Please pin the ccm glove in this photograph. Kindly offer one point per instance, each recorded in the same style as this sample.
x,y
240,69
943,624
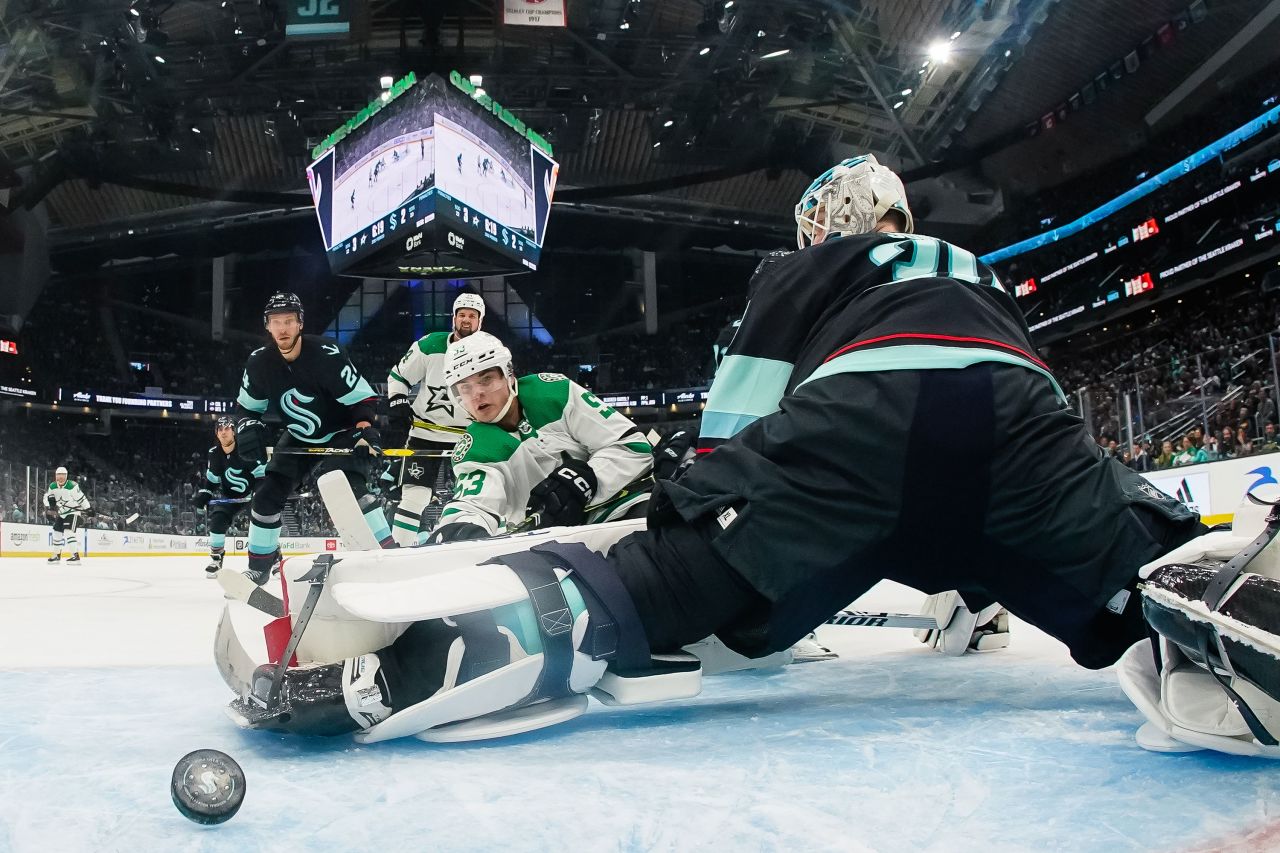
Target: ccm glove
x,y
563,496
251,440
671,454
368,447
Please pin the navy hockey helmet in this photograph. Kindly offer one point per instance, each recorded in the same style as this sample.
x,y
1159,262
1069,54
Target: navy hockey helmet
x,y
282,303
225,422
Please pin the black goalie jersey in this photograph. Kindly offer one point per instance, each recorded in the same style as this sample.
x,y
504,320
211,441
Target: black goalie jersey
x,y
312,395
872,302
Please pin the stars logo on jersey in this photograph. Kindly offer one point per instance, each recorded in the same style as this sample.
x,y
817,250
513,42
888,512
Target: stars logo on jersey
x,y
330,349
460,449
551,377
438,400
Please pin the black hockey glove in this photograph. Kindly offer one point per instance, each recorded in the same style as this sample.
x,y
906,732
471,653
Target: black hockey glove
x,y
563,496
368,448
202,498
251,440
456,532
399,420
672,455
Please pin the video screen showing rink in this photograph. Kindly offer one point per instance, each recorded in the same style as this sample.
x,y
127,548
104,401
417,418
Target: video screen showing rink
x,y
400,172
475,175
111,680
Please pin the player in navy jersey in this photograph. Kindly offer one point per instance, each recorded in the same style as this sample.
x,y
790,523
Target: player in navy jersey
x,y
308,384
228,476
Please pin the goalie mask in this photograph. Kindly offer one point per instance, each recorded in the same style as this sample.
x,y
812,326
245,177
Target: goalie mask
x,y
850,198
475,354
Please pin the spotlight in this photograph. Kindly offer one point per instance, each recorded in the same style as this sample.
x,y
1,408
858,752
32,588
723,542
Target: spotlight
x,y
939,51
668,122
475,79
898,104
704,51
386,81
905,92
776,53
955,35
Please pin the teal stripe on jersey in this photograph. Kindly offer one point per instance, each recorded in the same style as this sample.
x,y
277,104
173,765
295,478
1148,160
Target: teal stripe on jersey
x,y
251,403
745,388
212,477
362,391
724,424
923,357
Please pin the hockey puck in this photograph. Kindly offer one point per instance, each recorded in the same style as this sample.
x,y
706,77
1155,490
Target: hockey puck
x,y
207,786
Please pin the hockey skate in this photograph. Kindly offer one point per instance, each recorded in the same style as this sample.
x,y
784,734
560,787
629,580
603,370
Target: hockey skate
x,y
215,563
56,558
74,558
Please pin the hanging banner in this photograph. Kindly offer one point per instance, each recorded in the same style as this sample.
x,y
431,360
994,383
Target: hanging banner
x,y
534,13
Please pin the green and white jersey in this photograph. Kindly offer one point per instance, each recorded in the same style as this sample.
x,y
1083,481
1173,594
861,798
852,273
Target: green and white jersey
x,y
66,499
496,469
423,366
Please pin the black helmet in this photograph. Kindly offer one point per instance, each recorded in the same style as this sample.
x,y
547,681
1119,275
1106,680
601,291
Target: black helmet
x,y
225,422
282,303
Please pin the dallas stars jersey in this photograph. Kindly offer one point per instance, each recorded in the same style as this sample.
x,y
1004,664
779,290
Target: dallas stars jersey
x,y
229,473
66,499
423,366
496,469
311,395
871,302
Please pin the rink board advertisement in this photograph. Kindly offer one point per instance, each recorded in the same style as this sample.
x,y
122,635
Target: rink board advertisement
x,y
36,540
1215,489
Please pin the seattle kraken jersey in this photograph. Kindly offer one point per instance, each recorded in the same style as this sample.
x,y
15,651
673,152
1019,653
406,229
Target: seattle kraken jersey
x,y
311,395
871,302
229,473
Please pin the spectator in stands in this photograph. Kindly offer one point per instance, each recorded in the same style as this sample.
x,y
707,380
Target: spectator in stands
x,y
1190,454
1140,460
1243,444
1269,444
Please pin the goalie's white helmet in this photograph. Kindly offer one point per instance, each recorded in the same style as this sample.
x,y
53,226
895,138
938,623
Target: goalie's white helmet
x,y
469,300
850,198
475,354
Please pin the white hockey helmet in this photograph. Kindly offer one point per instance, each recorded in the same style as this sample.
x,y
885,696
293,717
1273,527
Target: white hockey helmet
x,y
476,354
470,300
60,470
850,198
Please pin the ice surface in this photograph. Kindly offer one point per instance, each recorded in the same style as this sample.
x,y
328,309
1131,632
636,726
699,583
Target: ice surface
x,y
108,679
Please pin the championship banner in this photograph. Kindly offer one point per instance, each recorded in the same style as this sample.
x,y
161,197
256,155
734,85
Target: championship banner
x,y
534,13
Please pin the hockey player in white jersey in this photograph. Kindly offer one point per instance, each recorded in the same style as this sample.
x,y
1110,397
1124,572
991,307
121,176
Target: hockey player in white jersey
x,y
429,421
65,503
543,451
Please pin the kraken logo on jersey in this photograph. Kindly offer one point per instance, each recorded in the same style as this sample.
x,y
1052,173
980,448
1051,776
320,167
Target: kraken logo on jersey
x,y
237,482
305,422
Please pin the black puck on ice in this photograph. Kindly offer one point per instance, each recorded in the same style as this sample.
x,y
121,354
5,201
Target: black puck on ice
x,y
207,786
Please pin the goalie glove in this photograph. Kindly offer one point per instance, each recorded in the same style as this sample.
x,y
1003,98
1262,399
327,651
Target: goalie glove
x,y
960,629
562,498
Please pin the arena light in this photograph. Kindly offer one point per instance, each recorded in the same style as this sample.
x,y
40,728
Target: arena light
x,y
898,104
476,79
776,53
704,51
939,51
906,92
668,122
386,81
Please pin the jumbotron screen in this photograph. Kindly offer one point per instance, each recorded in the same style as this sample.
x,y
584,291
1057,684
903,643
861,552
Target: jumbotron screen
x,y
432,182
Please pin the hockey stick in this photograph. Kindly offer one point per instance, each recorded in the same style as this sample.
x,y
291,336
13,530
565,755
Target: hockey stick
x,y
393,452
880,619
227,501
438,427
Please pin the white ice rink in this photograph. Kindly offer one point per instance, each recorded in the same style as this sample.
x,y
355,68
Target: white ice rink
x,y
504,194
108,679
361,198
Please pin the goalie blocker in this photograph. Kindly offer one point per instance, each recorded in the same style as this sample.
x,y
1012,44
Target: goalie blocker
x,y
1210,676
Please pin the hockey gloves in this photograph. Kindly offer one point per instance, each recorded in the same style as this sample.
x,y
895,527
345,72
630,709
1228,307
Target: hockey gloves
x,y
563,496
368,448
456,532
251,440
399,420
202,498
671,454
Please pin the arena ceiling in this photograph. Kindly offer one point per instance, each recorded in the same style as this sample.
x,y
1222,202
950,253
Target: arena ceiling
x,y
140,114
